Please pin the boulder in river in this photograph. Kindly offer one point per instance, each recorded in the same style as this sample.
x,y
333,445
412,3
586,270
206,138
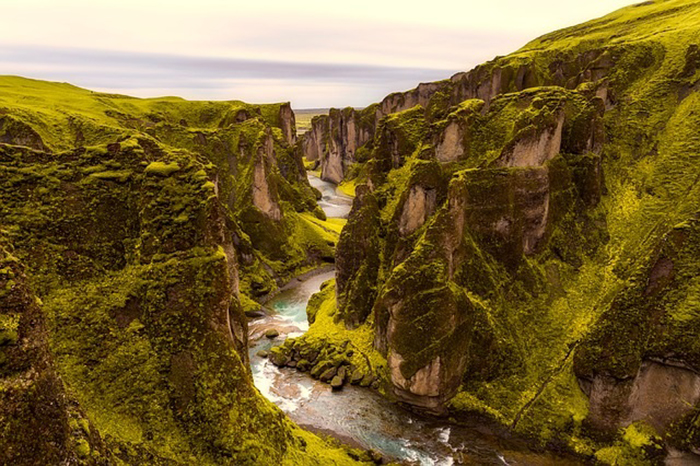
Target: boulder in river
x,y
337,382
328,374
272,333
254,313
321,368
343,372
356,377
278,356
263,353
367,380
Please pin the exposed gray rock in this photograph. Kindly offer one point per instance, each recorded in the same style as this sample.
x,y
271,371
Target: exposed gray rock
x,y
328,374
337,382
450,147
660,394
421,203
535,147
264,197
288,123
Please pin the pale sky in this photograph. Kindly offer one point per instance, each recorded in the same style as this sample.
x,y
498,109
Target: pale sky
x,y
313,53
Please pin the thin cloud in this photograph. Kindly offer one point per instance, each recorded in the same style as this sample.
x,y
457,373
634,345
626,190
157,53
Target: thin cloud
x,y
205,77
188,66
306,51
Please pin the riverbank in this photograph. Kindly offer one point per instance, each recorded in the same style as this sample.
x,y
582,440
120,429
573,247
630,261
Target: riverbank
x,y
296,281
358,416
362,417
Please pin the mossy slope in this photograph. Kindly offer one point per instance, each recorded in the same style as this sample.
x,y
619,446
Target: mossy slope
x,y
526,208
141,223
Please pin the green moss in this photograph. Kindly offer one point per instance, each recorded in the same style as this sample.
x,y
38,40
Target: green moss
x,y
640,435
129,241
358,260
162,168
119,175
326,333
82,449
348,187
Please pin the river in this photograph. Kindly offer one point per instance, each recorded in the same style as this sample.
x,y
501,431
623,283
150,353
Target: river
x,y
360,416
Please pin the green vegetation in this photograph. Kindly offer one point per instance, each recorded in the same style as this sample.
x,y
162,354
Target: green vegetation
x,y
137,222
523,246
329,348
348,188
537,235
304,117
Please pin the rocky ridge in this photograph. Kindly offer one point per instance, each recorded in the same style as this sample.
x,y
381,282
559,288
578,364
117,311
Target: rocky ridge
x,y
146,228
535,219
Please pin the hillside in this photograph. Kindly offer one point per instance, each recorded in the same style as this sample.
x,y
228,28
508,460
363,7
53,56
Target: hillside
x,y
524,243
523,252
135,234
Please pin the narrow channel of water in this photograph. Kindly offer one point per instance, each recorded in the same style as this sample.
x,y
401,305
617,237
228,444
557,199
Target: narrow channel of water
x,y
357,415
334,203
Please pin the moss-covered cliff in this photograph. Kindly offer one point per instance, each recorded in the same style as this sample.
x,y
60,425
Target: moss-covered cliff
x,y
537,237
144,228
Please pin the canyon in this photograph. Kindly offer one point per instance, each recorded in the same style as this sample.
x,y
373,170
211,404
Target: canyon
x,y
520,252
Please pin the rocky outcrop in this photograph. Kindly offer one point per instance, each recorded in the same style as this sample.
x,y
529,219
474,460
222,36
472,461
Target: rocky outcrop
x,y
419,206
400,101
288,123
14,131
509,210
426,191
450,146
484,83
493,216
660,394
536,147
424,325
265,196
333,140
357,260
142,245
560,122
504,213
41,424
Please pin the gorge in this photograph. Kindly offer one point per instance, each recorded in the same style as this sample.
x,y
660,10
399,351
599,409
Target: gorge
x,y
498,268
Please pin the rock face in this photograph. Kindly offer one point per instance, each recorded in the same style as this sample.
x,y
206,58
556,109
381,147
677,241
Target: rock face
x,y
401,101
484,83
660,395
450,146
540,145
265,196
288,123
40,423
14,131
357,264
142,238
419,206
538,237
334,139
